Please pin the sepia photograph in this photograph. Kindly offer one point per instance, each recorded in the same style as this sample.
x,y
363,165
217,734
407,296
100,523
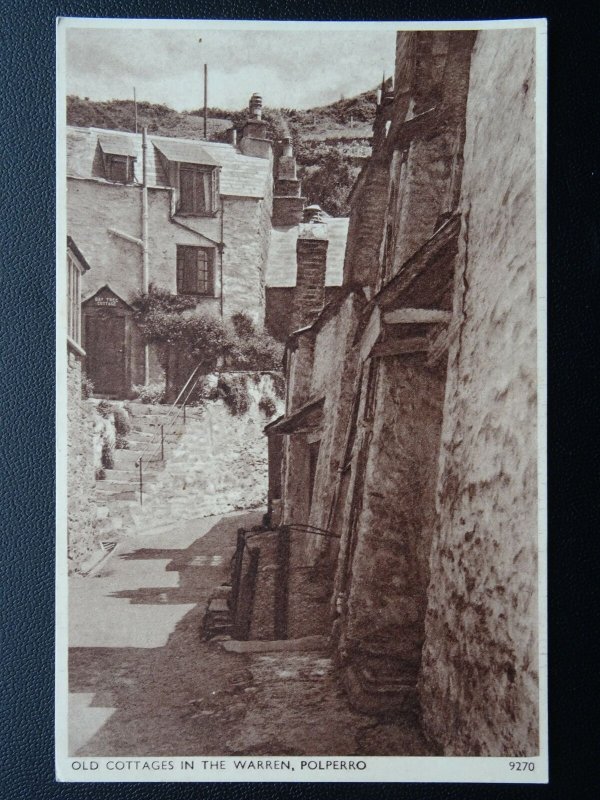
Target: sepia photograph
x,y
301,401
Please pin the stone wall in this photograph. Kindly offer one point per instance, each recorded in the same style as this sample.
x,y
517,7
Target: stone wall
x,y
81,510
479,684
313,557
219,463
394,510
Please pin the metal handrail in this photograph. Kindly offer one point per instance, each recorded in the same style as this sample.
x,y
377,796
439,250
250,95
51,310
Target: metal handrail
x,y
171,422
298,526
174,406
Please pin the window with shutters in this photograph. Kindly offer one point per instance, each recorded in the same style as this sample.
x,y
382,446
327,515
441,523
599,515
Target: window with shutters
x,y
195,270
197,190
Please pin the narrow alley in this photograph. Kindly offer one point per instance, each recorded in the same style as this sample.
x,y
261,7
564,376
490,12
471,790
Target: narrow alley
x,y
143,682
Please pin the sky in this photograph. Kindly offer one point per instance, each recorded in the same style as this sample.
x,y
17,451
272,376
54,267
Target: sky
x,y
289,68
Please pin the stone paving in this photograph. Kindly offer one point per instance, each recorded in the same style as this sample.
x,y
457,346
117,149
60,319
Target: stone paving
x,y
143,683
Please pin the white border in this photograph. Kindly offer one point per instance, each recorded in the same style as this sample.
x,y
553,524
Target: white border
x,y
377,769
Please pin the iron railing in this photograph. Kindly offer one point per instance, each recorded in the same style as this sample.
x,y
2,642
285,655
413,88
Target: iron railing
x,y
156,444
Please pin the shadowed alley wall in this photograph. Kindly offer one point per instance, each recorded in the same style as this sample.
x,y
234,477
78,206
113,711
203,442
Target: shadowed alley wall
x,y
479,678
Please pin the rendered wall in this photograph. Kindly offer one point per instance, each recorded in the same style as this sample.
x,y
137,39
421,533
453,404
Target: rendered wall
x,y
94,207
479,680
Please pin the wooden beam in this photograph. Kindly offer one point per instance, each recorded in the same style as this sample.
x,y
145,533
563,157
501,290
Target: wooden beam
x,y
439,342
424,125
371,333
416,315
394,347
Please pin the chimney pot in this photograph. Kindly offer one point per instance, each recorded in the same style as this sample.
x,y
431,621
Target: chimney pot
x,y
314,213
287,146
255,106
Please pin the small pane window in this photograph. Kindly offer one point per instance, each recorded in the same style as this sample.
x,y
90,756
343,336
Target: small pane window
x,y
194,270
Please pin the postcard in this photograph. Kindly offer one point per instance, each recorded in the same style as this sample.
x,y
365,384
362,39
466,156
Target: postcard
x,y
301,401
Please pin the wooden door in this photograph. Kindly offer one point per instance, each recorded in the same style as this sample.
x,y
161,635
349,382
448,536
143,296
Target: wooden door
x,y
106,361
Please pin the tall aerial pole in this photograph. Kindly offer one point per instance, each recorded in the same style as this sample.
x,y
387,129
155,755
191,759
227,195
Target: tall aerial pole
x,y
205,98
135,109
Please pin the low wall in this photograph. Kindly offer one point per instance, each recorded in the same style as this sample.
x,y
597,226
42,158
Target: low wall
x,y
81,510
218,464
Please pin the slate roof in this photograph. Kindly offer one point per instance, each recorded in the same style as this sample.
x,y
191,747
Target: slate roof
x,y
240,175
281,266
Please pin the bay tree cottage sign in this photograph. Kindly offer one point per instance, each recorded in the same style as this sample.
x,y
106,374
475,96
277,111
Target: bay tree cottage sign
x,y
301,499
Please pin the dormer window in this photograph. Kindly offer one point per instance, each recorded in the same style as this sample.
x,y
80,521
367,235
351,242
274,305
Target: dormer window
x,y
193,173
118,157
197,189
119,169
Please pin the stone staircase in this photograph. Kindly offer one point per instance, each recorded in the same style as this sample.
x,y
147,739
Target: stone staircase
x,y
118,506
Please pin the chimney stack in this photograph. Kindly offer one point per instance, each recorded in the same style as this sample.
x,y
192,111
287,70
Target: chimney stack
x,y
254,140
287,200
311,264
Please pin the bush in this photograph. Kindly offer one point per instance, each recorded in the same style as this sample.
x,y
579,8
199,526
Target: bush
x,y
278,385
186,341
87,388
267,406
233,390
153,393
121,442
251,349
108,461
104,408
122,424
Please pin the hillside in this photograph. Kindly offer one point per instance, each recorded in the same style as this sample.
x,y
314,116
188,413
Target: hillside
x,y
330,141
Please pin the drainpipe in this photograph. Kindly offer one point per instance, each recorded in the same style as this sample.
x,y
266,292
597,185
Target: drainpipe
x,y
145,281
221,250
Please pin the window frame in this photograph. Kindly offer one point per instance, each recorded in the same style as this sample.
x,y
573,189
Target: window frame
x,y
208,206
183,251
74,273
115,158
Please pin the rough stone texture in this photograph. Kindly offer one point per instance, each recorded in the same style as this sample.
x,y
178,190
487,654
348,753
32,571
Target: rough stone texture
x,y
389,568
333,375
219,463
278,312
298,371
313,557
80,468
309,298
263,612
366,224
479,684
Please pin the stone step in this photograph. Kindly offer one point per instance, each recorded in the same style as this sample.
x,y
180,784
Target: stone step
x,y
129,456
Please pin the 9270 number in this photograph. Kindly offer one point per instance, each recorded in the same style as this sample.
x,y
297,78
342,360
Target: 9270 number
x,y
521,766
